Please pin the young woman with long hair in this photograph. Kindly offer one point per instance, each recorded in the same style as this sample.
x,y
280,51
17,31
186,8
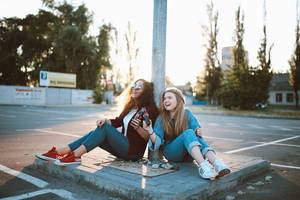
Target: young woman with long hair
x,y
130,144
178,133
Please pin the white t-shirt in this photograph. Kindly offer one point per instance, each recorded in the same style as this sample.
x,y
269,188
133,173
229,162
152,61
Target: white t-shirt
x,y
127,119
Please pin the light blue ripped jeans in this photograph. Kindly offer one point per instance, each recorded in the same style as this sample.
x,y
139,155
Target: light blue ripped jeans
x,y
177,150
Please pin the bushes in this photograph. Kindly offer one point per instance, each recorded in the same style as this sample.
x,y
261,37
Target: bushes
x,y
98,95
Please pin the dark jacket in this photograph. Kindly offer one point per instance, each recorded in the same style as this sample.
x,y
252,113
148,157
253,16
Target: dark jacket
x,y
137,144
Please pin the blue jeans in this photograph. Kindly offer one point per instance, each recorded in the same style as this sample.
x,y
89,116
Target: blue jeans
x,y
180,147
108,138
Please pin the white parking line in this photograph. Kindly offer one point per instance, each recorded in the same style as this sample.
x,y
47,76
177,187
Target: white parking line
x,y
7,116
218,138
88,123
260,145
213,124
60,133
281,128
255,126
287,145
61,193
233,125
35,181
285,166
49,131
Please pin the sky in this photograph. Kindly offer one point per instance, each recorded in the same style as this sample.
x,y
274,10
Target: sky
x,y
185,41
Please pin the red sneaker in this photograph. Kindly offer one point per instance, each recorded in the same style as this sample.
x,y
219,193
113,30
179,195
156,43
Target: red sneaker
x,y
50,155
69,159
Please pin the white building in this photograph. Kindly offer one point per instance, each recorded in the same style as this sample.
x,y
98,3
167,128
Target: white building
x,y
227,58
227,61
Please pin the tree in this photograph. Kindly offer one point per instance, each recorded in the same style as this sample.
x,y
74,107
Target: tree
x,y
263,74
11,37
200,87
237,90
55,40
103,52
132,51
72,50
213,71
294,63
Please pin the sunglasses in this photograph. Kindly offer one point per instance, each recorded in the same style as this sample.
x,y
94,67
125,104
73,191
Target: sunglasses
x,y
135,86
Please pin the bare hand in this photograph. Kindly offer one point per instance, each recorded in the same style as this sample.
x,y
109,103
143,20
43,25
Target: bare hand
x,y
198,132
135,123
147,127
100,122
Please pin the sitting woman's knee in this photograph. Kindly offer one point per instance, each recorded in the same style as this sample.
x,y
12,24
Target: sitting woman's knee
x,y
188,132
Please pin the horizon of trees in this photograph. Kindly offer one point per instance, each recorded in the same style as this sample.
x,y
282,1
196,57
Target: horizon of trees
x,y
241,86
56,39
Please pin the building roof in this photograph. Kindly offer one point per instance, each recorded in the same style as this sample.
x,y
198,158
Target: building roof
x,y
280,82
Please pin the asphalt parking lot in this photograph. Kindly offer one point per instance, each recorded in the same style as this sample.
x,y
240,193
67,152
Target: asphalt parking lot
x,y
26,130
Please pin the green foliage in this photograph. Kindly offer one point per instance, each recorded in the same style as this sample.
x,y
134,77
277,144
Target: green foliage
x,y
263,73
98,95
200,88
213,69
103,49
245,86
294,63
211,83
237,91
55,40
11,37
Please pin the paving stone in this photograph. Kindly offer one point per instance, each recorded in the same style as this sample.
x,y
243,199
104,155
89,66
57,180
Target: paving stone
x,y
132,182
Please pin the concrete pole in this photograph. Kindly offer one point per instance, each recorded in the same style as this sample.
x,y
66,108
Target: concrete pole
x,y
159,47
158,58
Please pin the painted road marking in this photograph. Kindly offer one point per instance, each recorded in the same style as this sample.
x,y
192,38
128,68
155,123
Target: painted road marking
x,y
281,128
61,193
49,131
35,181
285,166
60,133
287,145
218,138
213,124
88,123
233,125
7,116
260,145
255,126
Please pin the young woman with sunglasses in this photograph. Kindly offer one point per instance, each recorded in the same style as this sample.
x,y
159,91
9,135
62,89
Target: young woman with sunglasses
x,y
130,144
178,133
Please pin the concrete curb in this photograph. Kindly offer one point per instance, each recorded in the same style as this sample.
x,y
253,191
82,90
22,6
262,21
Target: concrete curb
x,y
182,184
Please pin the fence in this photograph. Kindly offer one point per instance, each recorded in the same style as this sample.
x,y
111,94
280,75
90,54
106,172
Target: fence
x,y
44,96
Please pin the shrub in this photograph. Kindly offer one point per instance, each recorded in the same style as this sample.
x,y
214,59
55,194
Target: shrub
x,y
98,95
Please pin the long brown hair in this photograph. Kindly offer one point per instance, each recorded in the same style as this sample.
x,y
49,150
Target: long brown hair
x,y
146,99
181,120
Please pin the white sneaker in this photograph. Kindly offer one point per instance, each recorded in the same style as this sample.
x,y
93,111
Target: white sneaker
x,y
205,171
221,168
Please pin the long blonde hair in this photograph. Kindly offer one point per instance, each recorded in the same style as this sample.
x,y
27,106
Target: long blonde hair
x,y
181,120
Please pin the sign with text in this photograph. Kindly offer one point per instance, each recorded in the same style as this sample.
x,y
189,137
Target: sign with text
x,y
28,93
56,79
